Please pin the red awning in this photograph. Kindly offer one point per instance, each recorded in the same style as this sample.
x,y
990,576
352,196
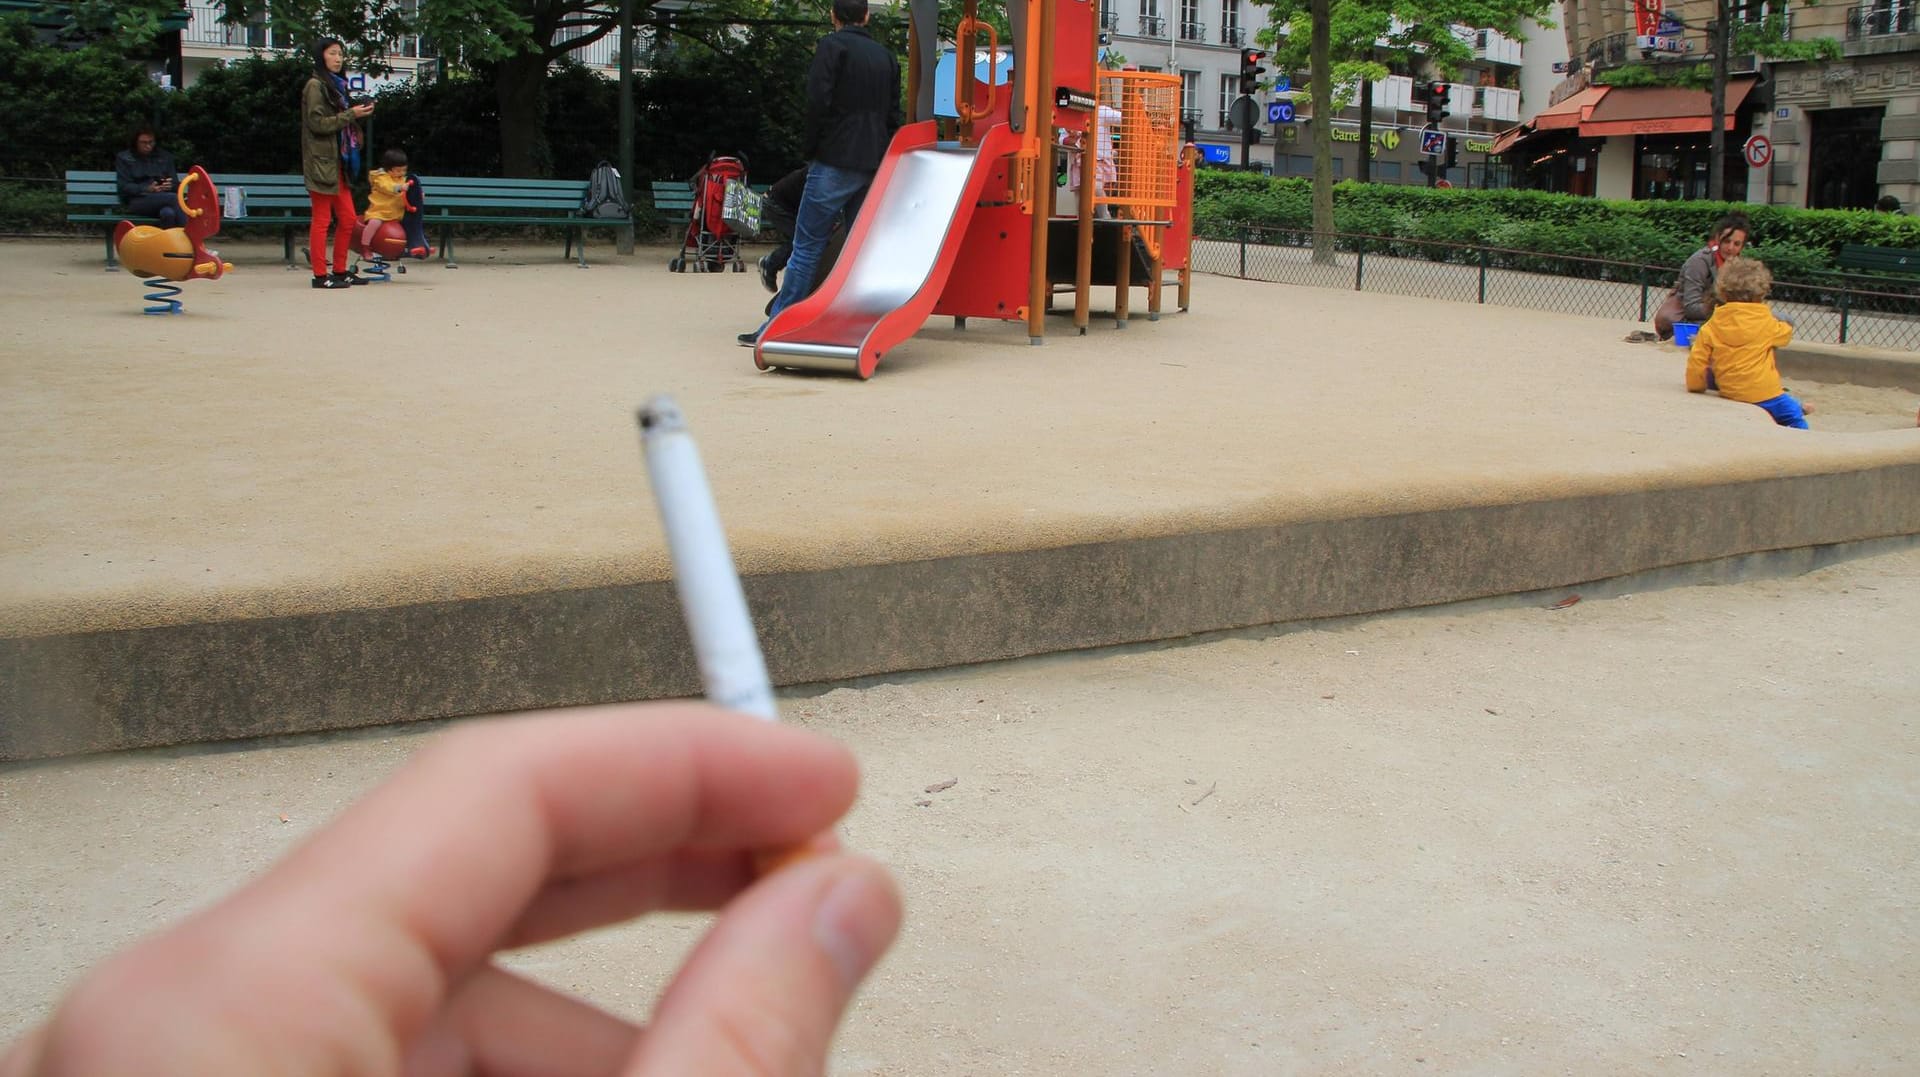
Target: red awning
x,y
1565,115
1660,110
1573,111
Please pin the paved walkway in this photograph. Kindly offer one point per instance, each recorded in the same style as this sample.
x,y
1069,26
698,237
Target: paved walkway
x,y
289,509
1671,833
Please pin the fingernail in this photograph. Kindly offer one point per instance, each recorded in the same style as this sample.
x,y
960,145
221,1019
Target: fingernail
x,y
851,927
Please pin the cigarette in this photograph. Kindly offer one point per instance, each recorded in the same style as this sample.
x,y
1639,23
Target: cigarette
x,y
732,669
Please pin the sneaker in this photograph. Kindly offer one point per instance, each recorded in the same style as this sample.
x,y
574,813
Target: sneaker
x,y
330,282
1641,336
748,340
420,252
768,279
350,278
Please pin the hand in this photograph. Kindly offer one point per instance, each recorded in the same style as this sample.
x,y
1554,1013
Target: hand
x,y
367,948
361,110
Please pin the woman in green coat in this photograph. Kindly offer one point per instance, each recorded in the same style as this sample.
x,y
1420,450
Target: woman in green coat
x,y
329,154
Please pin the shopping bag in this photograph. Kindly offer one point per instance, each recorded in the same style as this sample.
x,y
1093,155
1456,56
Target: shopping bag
x,y
740,207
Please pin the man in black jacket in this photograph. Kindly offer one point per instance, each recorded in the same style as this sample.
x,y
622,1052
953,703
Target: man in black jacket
x,y
144,174
853,108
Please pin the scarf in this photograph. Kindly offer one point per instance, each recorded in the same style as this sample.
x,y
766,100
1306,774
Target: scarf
x,y
350,134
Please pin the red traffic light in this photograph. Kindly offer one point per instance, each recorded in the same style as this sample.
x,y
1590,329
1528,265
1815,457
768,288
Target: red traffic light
x,y
1439,91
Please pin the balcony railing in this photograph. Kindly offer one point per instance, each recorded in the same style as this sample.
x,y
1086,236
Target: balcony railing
x,y
1232,35
1153,26
1879,20
1110,22
1192,116
1609,51
1193,31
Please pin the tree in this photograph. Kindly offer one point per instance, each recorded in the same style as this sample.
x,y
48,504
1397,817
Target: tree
x,y
1342,43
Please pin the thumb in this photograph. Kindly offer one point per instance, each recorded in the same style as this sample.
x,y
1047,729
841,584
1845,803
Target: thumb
x,y
764,991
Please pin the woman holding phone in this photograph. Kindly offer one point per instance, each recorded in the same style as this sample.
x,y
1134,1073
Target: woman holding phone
x,y
330,144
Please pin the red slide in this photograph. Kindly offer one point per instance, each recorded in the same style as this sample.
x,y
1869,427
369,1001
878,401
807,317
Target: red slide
x,y
897,259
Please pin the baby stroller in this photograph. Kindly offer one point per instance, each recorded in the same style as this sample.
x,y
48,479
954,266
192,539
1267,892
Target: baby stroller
x,y
711,243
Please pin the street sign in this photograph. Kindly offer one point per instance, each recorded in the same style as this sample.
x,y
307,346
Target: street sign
x,y
1758,150
1433,142
1243,113
1279,112
1282,84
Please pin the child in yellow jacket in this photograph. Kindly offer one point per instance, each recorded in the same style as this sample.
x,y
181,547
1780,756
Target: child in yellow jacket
x,y
1733,352
396,197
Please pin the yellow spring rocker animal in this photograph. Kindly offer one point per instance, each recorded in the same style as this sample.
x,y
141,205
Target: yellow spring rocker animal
x,y
164,255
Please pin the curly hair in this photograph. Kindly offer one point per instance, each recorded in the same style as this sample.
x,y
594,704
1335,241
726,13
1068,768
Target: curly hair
x,y
1743,280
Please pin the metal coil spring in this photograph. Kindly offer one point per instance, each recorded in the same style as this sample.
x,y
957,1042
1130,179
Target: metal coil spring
x,y
377,269
162,296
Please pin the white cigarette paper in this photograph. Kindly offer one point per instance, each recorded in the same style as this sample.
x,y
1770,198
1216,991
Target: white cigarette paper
x,y
732,669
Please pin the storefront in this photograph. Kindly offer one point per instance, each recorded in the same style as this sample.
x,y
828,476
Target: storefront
x,y
1394,155
1640,142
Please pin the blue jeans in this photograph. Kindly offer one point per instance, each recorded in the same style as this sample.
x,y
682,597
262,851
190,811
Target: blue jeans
x,y
830,190
1785,410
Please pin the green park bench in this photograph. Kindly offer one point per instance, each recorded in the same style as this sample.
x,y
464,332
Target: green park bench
x,y
1878,261
281,202
452,200
673,203
272,202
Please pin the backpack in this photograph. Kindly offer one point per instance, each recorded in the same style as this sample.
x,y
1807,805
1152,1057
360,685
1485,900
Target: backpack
x,y
606,197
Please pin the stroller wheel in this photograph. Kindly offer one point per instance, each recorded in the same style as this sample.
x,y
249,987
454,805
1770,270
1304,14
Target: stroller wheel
x,y
676,265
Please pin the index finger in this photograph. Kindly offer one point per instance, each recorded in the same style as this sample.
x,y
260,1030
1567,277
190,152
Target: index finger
x,y
367,923
455,846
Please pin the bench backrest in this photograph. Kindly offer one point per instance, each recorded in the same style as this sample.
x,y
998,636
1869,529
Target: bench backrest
x,y
274,192
1882,259
469,192
672,196
289,192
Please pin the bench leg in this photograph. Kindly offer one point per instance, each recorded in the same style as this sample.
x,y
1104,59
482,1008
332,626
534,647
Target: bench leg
x,y
286,242
113,257
446,247
580,235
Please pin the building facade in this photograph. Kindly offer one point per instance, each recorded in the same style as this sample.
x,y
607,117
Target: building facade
x,y
1201,41
1823,134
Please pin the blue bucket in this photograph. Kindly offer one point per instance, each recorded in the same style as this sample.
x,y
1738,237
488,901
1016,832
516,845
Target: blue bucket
x,y
1683,333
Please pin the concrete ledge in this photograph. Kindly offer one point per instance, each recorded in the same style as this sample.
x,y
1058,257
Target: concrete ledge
x,y
121,689
1851,364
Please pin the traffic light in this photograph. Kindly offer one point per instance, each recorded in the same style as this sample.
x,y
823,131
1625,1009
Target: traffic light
x,y
1435,94
1250,70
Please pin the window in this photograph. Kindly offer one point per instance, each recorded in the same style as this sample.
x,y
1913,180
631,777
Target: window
x,y
1385,171
1230,32
1229,89
1191,28
1300,164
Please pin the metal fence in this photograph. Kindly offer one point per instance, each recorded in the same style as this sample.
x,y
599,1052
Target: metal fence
x,y
1833,310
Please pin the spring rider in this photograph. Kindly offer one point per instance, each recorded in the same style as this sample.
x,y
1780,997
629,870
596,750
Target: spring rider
x,y
167,255
382,244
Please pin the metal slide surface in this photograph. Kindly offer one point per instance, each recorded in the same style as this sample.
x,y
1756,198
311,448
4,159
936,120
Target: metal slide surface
x,y
895,264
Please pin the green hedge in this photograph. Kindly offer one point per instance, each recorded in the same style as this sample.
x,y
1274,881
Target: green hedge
x,y
1795,243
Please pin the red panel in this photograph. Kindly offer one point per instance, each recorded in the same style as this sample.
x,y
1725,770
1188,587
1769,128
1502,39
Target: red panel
x,y
1179,243
989,278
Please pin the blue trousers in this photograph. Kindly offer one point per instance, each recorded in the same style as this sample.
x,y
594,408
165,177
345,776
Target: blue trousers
x,y
1785,410
829,192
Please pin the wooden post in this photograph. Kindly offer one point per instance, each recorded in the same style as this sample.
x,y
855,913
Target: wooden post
x,y
1040,136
